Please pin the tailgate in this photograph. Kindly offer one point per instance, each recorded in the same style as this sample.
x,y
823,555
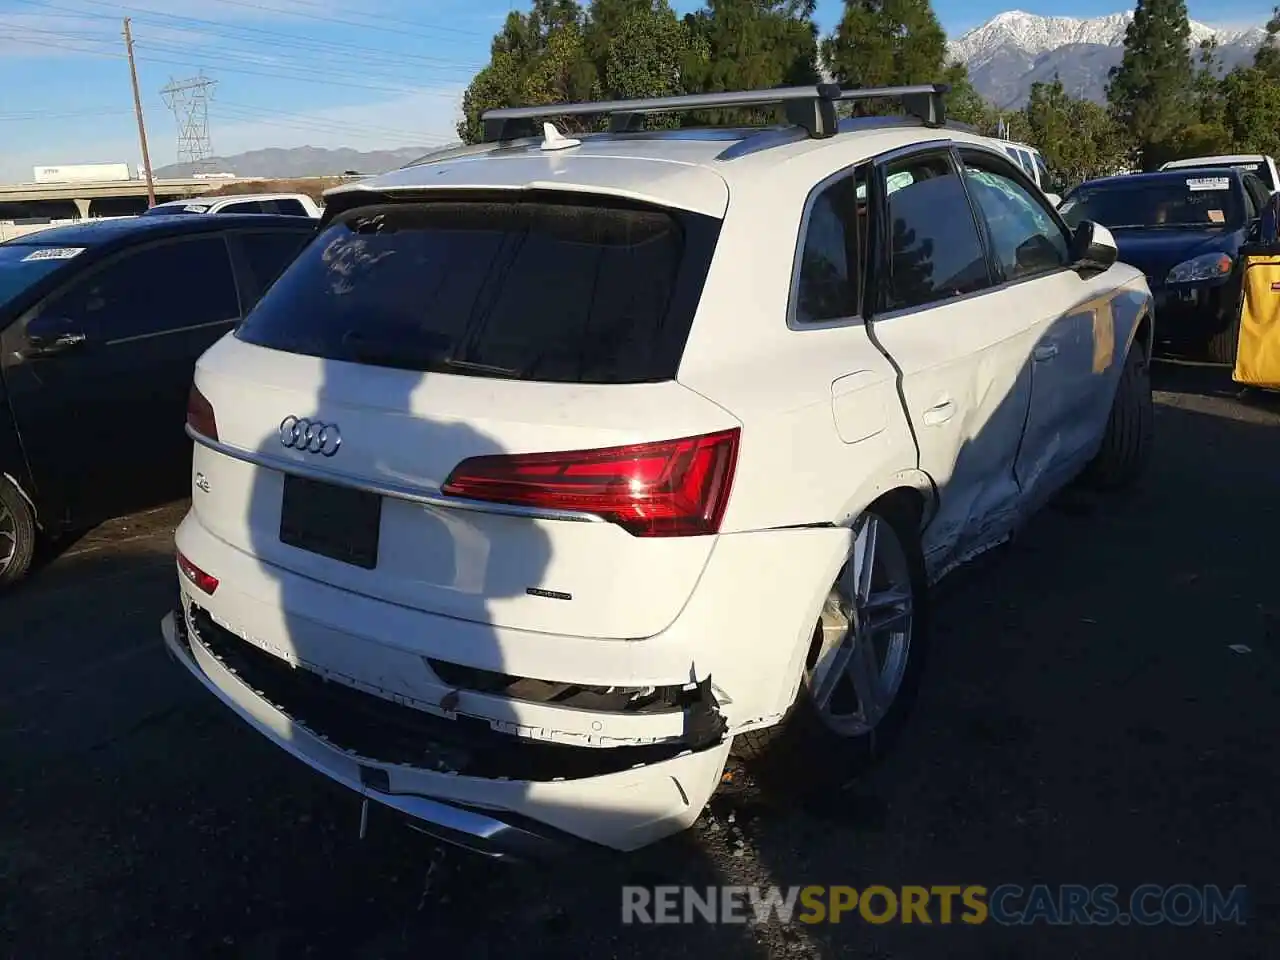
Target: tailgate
x,y
404,432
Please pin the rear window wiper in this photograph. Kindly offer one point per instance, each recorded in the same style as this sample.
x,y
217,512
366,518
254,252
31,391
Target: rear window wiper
x,y
448,363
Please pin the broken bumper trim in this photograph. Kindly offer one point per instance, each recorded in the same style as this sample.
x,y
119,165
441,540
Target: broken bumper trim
x,y
470,829
392,732
503,819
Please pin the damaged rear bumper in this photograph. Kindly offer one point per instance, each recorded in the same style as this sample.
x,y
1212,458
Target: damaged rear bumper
x,y
620,797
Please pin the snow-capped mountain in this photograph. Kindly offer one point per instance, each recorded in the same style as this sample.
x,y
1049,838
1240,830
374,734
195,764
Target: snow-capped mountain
x,y
1015,49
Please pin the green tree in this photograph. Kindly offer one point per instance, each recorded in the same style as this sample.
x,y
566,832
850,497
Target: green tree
x,y
1078,138
536,58
965,104
1151,92
1252,99
1206,132
750,45
650,53
1267,56
880,43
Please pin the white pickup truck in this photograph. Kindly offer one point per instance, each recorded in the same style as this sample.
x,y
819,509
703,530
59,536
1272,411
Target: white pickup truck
x,y
291,204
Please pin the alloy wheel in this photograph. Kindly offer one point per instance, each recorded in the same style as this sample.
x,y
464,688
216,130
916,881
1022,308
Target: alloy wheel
x,y
864,636
8,538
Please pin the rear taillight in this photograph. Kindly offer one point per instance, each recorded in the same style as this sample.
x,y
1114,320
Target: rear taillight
x,y
200,416
204,582
673,488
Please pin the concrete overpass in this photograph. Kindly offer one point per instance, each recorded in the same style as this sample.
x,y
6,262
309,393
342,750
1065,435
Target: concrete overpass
x,y
20,201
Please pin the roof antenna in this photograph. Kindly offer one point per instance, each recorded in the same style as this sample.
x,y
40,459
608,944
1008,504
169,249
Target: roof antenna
x,y
553,139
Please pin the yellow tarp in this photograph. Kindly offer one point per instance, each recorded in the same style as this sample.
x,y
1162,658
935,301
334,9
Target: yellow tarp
x,y
1258,352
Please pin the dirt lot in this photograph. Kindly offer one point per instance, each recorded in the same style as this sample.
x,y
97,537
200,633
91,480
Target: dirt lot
x,y
1084,720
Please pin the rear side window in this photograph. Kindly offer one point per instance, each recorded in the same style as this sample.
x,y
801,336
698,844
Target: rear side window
x,y
934,249
537,290
286,206
827,285
244,206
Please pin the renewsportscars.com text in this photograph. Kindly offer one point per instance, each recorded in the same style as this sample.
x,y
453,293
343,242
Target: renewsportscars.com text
x,y
972,904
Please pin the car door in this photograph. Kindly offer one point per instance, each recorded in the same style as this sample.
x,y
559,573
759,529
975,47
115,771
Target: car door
x,y
102,417
1075,346
962,352
827,295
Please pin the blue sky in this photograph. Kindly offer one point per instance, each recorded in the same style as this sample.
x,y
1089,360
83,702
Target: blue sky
x,y
369,75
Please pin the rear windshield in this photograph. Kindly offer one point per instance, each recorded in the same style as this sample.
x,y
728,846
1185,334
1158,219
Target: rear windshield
x,y
539,290
1204,199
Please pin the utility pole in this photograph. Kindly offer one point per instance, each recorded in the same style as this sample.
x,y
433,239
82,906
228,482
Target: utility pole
x,y
137,110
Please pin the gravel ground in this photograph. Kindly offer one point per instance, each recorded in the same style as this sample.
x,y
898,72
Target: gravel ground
x,y
1084,720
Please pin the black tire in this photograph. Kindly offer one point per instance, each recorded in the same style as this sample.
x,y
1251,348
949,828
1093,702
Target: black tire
x,y
16,522
1126,446
1221,347
801,755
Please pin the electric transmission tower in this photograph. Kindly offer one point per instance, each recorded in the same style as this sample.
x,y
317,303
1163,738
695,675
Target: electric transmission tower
x,y
189,101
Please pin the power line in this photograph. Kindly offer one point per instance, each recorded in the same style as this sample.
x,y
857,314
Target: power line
x,y
237,31
70,114
321,124
312,77
298,70
390,19
71,11
356,69
248,5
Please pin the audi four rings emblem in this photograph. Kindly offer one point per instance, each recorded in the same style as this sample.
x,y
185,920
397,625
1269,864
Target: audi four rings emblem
x,y
310,436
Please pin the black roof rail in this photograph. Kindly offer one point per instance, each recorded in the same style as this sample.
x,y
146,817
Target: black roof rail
x,y
812,108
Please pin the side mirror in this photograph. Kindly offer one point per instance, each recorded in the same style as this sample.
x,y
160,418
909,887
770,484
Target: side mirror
x,y
1054,199
1093,248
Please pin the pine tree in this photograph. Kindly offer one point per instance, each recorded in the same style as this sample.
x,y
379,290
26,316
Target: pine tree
x,y
1267,57
882,43
751,45
1151,92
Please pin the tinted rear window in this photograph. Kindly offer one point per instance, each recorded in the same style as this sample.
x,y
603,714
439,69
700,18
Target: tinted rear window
x,y
568,292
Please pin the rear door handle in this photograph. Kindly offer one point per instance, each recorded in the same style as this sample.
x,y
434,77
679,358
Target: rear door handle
x,y
940,412
1046,351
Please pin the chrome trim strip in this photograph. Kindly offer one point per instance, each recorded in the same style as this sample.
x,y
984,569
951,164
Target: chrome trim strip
x,y
386,488
170,332
465,828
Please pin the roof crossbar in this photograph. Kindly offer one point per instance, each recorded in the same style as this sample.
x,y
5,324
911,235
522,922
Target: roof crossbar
x,y
812,108
925,101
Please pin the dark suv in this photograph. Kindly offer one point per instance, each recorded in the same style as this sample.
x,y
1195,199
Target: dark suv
x,y
101,324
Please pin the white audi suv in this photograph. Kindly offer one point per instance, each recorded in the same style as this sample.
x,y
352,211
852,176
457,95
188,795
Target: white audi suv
x,y
558,468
